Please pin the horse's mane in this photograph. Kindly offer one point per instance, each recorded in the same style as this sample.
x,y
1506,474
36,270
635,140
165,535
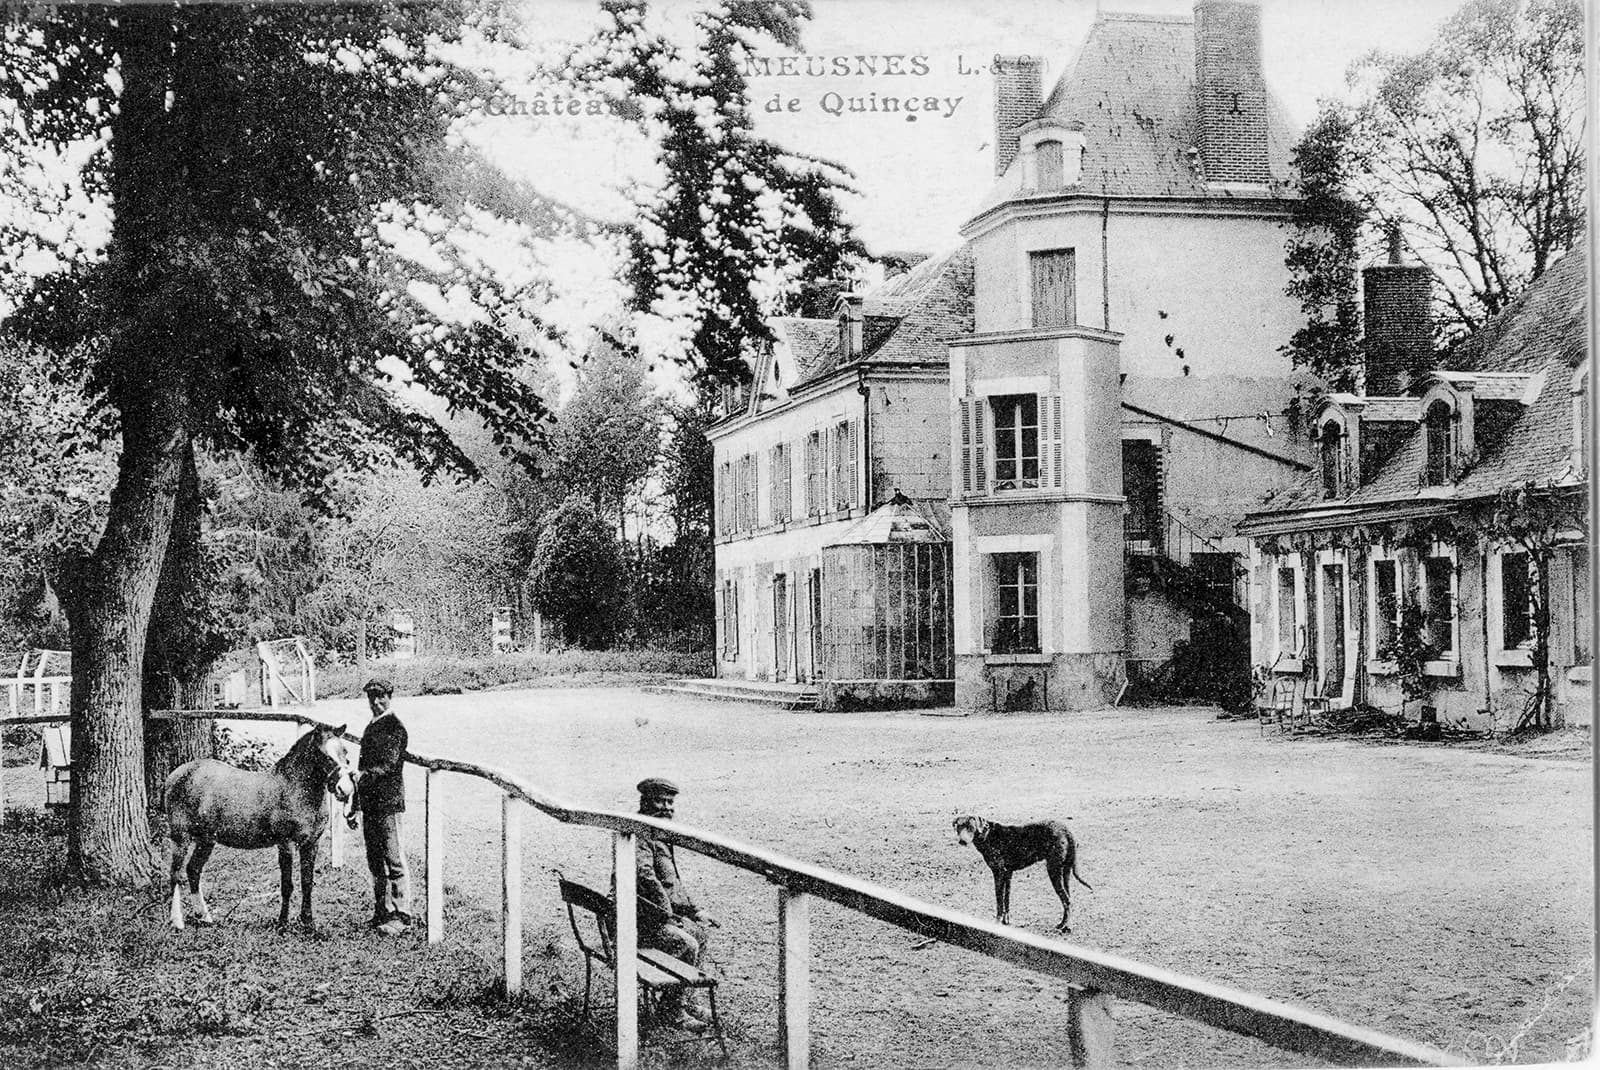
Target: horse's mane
x,y
298,754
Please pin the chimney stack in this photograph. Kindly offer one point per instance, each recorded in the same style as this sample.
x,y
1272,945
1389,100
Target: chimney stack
x,y
1398,320
1018,96
852,326
1230,95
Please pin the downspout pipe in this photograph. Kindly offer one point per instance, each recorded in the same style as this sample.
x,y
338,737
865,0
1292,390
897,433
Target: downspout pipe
x,y
865,457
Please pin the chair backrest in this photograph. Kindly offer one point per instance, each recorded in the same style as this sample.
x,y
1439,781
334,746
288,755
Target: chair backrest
x,y
597,935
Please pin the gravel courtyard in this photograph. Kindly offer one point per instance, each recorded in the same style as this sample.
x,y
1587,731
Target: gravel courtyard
x,y
1441,894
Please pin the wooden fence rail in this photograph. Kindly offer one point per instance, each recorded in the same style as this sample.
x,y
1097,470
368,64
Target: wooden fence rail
x,y
1093,977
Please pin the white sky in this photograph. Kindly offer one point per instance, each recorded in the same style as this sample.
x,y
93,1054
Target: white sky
x,y
921,179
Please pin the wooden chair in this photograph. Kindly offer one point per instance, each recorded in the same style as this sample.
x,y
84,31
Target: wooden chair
x,y
1285,701
593,917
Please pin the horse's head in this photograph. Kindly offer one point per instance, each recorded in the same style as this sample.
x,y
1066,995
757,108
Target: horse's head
x,y
330,744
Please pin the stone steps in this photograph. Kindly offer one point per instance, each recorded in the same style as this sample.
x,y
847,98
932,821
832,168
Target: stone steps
x,y
781,696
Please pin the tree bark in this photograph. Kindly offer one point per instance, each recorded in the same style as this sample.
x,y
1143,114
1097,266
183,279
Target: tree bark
x,y
147,382
108,834
181,646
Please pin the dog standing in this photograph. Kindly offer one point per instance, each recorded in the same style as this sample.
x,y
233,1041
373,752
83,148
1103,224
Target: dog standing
x,y
1008,848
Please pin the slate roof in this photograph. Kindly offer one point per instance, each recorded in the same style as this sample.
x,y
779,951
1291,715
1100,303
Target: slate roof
x,y
907,319
1131,87
1530,351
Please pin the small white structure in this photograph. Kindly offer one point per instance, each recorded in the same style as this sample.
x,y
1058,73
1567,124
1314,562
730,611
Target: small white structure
x,y
55,758
501,633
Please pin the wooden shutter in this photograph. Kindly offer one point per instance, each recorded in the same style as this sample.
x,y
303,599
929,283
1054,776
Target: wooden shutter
x,y
849,497
1054,299
810,475
964,414
980,458
1046,478
1052,444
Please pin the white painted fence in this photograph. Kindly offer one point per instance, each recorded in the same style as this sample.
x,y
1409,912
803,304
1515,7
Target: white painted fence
x,y
1093,978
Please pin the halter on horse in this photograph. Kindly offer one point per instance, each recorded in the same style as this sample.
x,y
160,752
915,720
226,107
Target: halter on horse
x,y
210,802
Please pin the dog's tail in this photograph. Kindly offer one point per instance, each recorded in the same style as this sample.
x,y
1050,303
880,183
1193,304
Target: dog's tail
x,y
1081,881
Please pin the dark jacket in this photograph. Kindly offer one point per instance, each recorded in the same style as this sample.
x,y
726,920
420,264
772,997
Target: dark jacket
x,y
658,881
383,787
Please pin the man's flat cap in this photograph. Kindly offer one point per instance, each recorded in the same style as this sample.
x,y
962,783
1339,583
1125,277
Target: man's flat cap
x,y
378,686
657,786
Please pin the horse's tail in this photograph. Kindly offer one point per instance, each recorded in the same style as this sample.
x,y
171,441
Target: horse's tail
x,y
1075,873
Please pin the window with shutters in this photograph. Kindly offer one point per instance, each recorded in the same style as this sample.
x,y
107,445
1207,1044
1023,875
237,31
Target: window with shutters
x,y
814,473
842,476
1330,457
725,498
1015,623
1055,300
782,505
1016,441
745,482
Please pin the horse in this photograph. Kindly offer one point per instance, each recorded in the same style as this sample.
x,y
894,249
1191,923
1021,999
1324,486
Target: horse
x,y
210,802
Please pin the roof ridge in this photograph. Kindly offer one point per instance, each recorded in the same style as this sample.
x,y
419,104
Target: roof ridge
x,y
1142,16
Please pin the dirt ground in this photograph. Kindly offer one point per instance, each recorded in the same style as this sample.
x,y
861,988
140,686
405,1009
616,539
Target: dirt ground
x,y
1442,894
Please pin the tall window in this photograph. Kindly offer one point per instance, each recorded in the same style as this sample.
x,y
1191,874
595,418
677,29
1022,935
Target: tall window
x,y
814,473
1516,601
1385,602
1439,604
1288,614
730,619
842,478
1439,426
725,498
1016,441
1055,299
1047,155
1141,486
782,504
747,493
1016,621
1330,453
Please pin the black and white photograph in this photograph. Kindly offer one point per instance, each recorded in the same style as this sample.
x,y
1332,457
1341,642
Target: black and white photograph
x,y
1002,533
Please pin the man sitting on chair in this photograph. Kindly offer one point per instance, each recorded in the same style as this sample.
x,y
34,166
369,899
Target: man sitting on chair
x,y
676,925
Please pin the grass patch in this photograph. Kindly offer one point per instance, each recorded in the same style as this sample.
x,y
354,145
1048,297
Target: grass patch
x,y
98,978
567,668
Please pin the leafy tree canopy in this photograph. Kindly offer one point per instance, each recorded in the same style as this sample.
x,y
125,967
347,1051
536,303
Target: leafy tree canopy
x,y
288,243
735,222
1475,146
578,575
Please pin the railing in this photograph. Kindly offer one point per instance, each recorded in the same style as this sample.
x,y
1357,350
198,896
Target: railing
x,y
1093,977
45,672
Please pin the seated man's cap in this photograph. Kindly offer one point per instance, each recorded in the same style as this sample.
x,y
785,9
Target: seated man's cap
x,y
378,686
657,786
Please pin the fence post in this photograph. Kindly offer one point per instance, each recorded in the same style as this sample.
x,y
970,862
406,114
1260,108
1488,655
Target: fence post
x,y
511,892
627,971
433,855
1091,1029
794,978
335,831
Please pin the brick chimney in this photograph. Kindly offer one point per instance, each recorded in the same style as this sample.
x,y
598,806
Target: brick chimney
x,y
1230,95
852,326
1018,96
1398,321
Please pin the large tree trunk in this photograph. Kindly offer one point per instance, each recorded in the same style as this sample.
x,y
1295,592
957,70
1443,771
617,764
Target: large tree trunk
x,y
182,646
108,834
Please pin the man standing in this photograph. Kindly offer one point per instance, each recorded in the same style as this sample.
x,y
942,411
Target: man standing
x,y
381,798
675,925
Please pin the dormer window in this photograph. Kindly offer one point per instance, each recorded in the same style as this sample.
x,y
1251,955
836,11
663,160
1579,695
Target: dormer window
x,y
1330,455
1439,432
1048,159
